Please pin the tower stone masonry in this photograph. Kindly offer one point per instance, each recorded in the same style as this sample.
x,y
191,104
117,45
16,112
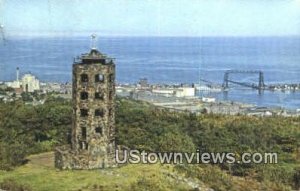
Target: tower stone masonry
x,y
93,124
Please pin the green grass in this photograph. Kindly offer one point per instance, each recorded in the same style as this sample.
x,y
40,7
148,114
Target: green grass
x,y
44,177
39,174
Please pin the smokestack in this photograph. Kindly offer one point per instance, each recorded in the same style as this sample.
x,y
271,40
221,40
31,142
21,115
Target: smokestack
x,y
17,73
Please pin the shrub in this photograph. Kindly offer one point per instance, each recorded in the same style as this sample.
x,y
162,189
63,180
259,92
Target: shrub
x,y
12,185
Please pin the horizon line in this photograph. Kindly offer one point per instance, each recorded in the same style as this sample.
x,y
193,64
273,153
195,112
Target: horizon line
x,y
150,36
9,34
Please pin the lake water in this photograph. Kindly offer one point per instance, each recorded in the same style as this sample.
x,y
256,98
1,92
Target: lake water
x,y
167,60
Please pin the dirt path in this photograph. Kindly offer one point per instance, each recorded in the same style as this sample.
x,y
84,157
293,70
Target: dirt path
x,y
43,159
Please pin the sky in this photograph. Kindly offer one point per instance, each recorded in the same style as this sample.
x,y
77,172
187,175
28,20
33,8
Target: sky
x,y
151,17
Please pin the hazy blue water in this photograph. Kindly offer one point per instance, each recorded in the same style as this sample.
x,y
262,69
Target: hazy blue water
x,y
166,60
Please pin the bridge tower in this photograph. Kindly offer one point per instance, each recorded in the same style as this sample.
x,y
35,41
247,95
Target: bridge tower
x,y
225,82
261,82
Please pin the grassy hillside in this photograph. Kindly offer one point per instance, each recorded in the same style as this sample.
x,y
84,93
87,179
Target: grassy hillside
x,y
40,175
28,130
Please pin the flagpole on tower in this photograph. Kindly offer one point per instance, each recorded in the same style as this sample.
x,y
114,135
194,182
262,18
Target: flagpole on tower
x,y
93,41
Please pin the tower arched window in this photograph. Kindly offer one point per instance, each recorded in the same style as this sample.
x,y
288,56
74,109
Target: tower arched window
x,y
99,95
99,130
83,133
99,78
99,112
84,78
84,95
111,78
84,112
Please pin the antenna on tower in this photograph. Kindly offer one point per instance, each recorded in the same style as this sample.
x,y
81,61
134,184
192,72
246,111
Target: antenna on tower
x,y
93,41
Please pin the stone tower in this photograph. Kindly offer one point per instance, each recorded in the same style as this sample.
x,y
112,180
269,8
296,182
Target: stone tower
x,y
93,128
